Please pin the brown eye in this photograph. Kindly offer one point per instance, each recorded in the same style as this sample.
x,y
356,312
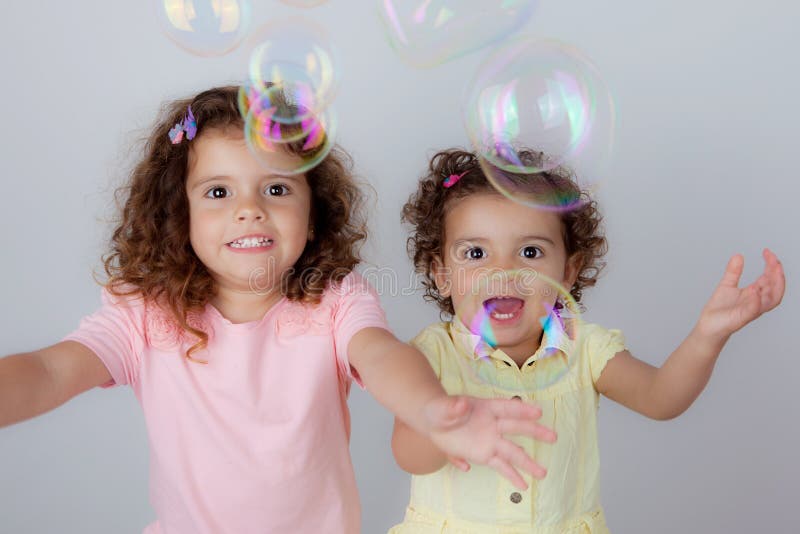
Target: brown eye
x,y
476,253
217,192
531,252
277,190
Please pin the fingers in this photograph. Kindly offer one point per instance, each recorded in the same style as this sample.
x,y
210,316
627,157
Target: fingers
x,y
516,455
505,469
513,409
733,271
518,427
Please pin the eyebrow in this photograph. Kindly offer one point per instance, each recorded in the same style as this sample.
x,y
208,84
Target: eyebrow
x,y
223,177
539,238
481,239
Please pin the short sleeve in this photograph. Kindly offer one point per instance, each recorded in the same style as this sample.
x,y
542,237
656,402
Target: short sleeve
x,y
428,344
601,345
114,334
358,307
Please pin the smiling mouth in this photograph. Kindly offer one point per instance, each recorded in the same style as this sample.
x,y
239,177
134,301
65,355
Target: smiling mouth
x,y
503,308
251,242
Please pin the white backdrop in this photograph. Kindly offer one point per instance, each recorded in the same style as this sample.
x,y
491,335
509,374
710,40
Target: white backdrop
x,y
704,167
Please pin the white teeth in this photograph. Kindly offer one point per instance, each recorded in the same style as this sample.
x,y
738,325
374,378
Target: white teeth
x,y
251,242
502,316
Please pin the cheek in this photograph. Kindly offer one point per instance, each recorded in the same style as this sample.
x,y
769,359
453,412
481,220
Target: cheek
x,y
204,228
464,283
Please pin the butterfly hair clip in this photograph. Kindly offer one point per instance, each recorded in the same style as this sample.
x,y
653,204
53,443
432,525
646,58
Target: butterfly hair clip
x,y
187,125
451,180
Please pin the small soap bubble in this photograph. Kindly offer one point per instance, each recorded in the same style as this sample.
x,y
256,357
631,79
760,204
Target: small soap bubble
x,y
296,55
288,148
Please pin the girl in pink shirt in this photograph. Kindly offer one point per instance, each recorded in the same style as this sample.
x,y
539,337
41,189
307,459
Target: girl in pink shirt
x,y
233,312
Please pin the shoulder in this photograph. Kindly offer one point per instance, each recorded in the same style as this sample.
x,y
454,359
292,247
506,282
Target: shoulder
x,y
352,284
127,297
434,342
432,336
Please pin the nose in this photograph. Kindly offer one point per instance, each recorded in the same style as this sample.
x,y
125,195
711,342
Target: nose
x,y
249,209
505,263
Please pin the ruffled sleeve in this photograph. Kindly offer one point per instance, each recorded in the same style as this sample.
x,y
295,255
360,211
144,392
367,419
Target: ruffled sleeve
x,y
601,345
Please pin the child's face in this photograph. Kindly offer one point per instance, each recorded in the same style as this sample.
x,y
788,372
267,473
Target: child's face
x,y
488,234
245,223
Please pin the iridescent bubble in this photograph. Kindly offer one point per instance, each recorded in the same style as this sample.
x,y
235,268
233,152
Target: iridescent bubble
x,y
426,33
205,27
296,55
534,106
498,311
288,148
271,98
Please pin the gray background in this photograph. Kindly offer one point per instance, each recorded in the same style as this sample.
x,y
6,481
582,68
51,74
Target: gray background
x,y
705,166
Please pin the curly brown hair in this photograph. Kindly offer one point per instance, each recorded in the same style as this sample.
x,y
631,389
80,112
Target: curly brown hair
x,y
427,208
150,253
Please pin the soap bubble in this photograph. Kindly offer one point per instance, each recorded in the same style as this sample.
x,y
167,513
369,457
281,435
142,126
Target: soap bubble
x,y
284,146
532,304
297,55
537,105
205,27
426,33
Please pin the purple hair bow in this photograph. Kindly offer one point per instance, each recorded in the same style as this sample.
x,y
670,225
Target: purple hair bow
x,y
188,125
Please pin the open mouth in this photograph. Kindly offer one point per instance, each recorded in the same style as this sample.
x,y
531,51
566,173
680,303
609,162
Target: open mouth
x,y
503,308
251,242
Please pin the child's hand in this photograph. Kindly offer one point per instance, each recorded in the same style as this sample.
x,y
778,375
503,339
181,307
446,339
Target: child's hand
x,y
730,308
467,429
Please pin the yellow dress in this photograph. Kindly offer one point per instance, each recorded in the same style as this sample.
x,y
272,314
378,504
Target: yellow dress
x,y
481,501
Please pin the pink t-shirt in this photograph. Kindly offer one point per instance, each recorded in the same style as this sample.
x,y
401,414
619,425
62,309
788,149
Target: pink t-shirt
x,y
257,440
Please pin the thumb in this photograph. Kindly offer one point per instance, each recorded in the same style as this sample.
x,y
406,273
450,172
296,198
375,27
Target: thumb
x,y
448,412
459,463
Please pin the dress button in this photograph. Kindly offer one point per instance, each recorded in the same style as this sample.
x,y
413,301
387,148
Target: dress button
x,y
516,397
516,498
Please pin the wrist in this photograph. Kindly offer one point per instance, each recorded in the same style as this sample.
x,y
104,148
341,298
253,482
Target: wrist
x,y
433,411
706,340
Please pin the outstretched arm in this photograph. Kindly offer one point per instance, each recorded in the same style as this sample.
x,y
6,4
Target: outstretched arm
x,y
37,382
666,392
401,379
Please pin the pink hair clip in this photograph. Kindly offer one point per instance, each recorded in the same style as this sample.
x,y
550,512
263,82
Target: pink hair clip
x,y
188,125
451,180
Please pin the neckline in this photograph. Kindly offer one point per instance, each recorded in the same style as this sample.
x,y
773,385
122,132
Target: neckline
x,y
249,325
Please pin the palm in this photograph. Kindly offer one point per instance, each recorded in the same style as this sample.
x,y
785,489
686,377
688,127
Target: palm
x,y
731,308
474,440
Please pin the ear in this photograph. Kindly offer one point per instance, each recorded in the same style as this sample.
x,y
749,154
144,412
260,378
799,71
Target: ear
x,y
311,234
571,271
441,276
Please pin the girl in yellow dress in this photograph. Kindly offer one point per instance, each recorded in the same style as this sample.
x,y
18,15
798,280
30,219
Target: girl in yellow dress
x,y
509,339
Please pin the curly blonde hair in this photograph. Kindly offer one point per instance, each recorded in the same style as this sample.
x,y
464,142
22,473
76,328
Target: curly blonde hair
x,y
150,253
427,208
